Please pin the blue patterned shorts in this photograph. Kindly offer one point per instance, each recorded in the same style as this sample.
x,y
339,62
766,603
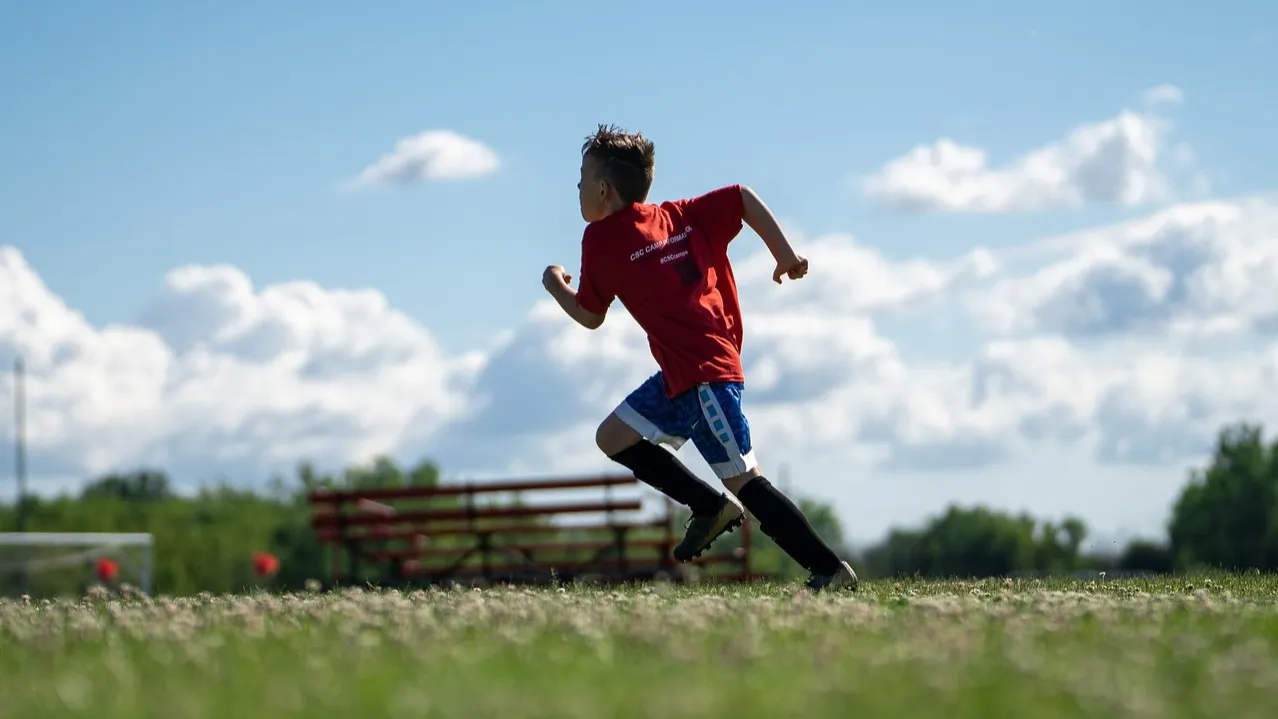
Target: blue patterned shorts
x,y
708,414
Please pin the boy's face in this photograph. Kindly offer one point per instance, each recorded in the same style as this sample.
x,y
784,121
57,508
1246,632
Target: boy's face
x,y
592,192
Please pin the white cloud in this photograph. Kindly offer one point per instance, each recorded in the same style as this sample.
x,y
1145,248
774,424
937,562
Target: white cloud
x,y
1114,161
855,278
221,377
1193,270
433,155
1164,94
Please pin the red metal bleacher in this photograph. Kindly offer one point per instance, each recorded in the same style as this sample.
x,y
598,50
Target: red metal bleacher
x,y
441,533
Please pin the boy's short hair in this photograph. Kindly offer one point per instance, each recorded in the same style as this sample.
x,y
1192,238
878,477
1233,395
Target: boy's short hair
x,y
625,160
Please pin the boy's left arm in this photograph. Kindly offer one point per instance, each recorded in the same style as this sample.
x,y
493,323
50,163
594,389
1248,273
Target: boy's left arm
x,y
721,213
556,280
760,219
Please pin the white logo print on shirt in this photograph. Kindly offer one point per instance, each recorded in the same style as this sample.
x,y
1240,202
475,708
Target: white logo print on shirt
x,y
661,245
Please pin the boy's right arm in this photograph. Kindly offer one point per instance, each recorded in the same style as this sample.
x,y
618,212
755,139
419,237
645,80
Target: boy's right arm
x,y
761,220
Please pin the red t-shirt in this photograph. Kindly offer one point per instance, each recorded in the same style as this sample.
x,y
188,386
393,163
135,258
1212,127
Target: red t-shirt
x,y
668,264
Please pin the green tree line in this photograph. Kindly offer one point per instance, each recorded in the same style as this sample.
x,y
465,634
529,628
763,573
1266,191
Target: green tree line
x,y
1226,517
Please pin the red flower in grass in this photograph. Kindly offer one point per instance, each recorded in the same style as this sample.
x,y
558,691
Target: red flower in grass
x,y
265,564
106,570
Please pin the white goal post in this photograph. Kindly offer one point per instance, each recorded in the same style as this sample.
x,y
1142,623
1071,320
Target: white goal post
x,y
34,553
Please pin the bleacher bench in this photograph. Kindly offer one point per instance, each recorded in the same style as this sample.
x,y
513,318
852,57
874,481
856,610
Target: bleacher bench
x,y
447,533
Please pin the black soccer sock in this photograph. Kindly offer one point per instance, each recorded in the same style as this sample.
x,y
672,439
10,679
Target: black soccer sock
x,y
661,469
781,520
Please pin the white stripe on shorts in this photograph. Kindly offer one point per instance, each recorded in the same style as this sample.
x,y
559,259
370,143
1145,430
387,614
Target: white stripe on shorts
x,y
646,428
737,463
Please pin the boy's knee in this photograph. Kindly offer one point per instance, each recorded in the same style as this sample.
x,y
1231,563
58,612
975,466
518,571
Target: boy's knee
x,y
602,438
737,483
613,435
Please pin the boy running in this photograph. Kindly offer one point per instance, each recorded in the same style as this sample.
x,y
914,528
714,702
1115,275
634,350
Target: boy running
x,y
668,265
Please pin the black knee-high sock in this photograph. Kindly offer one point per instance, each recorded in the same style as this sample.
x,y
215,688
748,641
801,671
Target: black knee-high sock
x,y
666,473
781,520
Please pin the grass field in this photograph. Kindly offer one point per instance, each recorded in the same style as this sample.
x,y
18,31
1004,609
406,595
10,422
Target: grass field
x,y
1185,647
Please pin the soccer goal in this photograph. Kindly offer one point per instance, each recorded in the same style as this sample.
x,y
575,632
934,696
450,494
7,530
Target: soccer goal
x,y
50,564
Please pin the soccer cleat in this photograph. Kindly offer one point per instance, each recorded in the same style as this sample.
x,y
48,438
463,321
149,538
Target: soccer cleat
x,y
844,579
704,529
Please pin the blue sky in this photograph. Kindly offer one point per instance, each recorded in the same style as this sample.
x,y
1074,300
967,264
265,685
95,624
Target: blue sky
x,y
141,137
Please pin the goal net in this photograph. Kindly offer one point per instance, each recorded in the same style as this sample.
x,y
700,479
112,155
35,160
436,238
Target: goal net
x,y
62,564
